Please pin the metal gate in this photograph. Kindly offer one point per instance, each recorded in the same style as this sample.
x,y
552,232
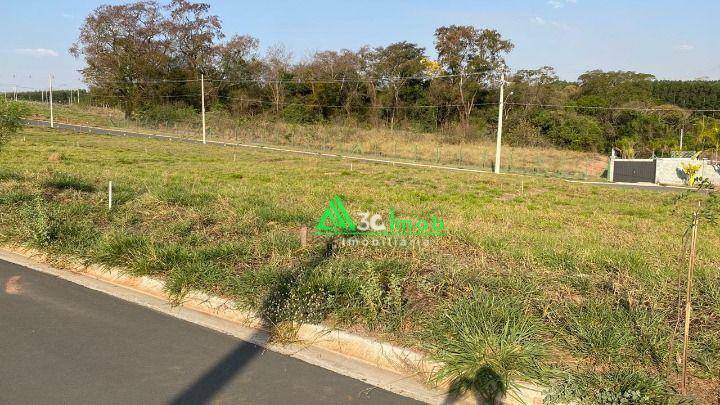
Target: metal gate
x,y
634,171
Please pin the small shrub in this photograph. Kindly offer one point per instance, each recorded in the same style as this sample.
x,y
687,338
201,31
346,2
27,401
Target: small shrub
x,y
691,171
65,181
11,114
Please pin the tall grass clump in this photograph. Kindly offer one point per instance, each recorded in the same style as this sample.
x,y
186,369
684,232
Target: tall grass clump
x,y
7,174
65,181
41,225
485,345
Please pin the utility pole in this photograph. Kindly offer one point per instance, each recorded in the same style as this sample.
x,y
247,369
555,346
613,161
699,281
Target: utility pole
x,y
682,133
52,119
15,92
78,99
498,142
202,90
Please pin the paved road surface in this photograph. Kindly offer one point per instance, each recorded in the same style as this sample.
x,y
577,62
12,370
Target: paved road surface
x,y
61,343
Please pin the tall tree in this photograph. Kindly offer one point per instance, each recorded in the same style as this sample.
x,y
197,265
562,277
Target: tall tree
x,y
277,66
397,65
473,58
193,34
125,48
238,70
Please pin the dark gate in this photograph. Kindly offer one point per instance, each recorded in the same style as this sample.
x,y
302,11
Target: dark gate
x,y
634,171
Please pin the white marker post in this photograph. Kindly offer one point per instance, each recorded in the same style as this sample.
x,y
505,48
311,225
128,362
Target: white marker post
x,y
498,144
202,90
52,118
110,195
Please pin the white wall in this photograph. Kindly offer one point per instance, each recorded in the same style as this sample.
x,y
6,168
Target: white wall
x,y
669,171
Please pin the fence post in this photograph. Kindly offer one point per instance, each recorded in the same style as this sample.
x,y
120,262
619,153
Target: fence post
x,y
110,195
303,236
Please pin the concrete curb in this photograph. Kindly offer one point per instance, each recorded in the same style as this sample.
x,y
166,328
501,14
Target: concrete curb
x,y
395,369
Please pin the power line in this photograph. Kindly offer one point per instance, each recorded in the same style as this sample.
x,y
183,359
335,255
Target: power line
x,y
571,106
316,105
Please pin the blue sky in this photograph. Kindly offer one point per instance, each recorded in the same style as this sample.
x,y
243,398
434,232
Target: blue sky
x,y
668,38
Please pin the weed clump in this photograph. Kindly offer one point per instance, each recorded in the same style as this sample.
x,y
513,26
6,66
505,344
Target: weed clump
x,y
485,346
42,226
620,386
65,181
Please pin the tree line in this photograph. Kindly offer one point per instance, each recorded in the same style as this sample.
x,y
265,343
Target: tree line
x,y
146,56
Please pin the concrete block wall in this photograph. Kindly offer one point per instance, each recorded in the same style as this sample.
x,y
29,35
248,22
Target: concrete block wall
x,y
669,171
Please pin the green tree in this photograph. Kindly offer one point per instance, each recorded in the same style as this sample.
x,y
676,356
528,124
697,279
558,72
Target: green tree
x,y
399,66
473,58
124,46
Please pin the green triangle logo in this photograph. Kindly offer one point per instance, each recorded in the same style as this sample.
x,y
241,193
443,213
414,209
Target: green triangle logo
x,y
335,219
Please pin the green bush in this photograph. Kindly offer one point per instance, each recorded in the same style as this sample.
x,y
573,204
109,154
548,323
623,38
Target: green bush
x,y
11,114
166,114
301,114
570,130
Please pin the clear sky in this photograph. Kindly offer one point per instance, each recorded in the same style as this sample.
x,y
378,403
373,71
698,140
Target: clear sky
x,y
672,39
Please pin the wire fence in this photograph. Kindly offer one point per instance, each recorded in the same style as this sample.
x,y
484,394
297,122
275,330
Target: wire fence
x,y
441,147
432,149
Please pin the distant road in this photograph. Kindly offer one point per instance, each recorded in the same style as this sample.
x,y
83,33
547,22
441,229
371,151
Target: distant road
x,y
61,343
117,132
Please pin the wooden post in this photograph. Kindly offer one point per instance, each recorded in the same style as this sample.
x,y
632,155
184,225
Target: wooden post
x,y
303,236
688,299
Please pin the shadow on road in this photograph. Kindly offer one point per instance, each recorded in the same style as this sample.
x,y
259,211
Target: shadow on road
x,y
205,388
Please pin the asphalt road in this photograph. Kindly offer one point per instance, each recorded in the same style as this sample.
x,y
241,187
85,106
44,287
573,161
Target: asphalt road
x,y
61,343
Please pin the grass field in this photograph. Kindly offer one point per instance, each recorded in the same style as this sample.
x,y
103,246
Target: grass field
x,y
406,145
573,285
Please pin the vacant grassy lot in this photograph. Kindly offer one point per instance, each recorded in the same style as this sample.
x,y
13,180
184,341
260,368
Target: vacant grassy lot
x,y
577,286
405,145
